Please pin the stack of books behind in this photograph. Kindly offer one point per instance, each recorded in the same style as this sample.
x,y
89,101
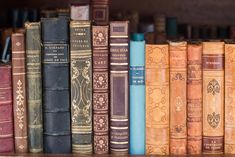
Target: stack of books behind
x,y
76,86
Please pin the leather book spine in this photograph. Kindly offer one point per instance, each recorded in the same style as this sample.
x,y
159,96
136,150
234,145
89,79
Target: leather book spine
x,y
194,99
229,136
137,96
81,86
213,97
100,12
100,38
55,86
6,108
19,93
34,87
178,102
157,99
119,87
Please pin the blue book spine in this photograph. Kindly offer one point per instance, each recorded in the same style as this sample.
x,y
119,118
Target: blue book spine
x,y
137,97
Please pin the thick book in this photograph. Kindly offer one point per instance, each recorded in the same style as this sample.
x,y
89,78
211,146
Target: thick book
x,y
119,87
100,54
55,87
19,93
137,94
178,101
229,136
194,99
34,87
6,108
157,99
100,12
213,97
81,86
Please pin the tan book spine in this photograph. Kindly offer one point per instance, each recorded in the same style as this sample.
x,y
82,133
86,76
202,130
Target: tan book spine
x,y
178,78
194,99
157,99
213,97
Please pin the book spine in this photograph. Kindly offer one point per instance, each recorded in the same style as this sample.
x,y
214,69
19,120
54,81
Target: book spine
x,y
137,97
119,87
80,12
194,99
19,93
100,12
55,87
100,36
178,102
81,86
213,97
34,87
157,99
6,108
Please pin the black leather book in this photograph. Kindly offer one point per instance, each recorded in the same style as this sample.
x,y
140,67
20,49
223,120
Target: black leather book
x,y
56,104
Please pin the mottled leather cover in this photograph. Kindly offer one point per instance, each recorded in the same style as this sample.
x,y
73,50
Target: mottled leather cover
x,y
213,97
34,87
119,87
194,99
157,99
81,86
6,108
178,101
100,38
55,87
100,12
19,93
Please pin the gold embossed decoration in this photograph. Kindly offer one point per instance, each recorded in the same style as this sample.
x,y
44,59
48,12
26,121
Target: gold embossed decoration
x,y
213,119
19,104
213,87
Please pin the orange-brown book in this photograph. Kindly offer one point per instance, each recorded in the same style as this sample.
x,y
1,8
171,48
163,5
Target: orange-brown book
x,y
194,99
157,99
229,136
213,97
178,78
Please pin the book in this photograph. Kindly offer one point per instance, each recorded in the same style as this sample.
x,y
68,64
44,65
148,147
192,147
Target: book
x,y
178,102
34,87
157,99
80,10
194,98
171,28
100,12
229,139
19,93
6,108
137,94
100,54
55,86
81,86
213,97
119,87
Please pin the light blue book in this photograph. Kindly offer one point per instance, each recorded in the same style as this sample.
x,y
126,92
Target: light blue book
x,y
137,94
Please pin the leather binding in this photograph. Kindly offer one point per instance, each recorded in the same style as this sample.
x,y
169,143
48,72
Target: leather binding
x,y
119,87
160,28
80,10
6,108
34,87
178,102
100,36
137,94
55,87
229,137
81,86
157,99
19,93
194,99
213,97
100,12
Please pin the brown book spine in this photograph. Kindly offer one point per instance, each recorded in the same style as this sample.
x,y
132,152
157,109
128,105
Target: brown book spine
x,y
100,12
213,97
100,38
157,99
194,99
178,78
229,141
19,93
